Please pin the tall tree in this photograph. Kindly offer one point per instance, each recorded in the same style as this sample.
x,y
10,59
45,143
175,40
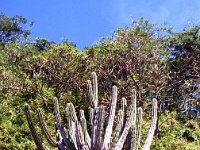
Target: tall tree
x,y
132,58
184,63
11,28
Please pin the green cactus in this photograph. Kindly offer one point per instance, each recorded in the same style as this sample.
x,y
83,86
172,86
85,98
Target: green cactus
x,y
123,131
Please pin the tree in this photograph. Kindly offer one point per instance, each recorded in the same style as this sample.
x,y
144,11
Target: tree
x,y
133,58
11,28
60,68
184,62
43,44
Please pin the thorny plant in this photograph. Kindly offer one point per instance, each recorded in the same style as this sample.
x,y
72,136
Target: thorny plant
x,y
126,134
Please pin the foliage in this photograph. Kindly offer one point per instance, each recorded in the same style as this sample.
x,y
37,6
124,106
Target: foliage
x,y
142,56
177,135
61,69
11,30
43,44
132,58
184,62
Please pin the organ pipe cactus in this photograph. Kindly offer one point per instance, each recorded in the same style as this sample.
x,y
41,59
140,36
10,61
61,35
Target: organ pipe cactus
x,y
122,129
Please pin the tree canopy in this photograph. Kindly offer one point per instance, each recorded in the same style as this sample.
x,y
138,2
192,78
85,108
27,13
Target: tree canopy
x,y
11,28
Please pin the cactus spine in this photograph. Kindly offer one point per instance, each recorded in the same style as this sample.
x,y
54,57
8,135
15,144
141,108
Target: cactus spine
x,y
123,129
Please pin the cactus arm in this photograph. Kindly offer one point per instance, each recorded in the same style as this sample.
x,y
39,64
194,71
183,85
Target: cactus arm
x,y
139,127
68,116
44,129
109,127
79,136
118,128
122,138
94,113
91,111
97,128
124,104
71,126
32,128
134,119
124,110
90,93
130,123
95,89
100,129
57,112
61,146
94,128
64,133
149,138
73,113
67,140
60,143
84,128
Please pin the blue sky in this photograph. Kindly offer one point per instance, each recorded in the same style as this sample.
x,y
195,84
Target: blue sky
x,y
87,21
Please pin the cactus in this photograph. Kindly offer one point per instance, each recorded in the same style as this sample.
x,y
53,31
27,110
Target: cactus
x,y
123,131
149,139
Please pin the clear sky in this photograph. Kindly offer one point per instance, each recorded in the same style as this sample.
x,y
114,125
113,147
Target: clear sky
x,y
87,21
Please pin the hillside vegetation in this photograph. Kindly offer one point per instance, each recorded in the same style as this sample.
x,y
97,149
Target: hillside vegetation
x,y
157,62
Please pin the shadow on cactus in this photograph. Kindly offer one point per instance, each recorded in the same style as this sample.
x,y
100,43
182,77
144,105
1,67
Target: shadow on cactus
x,y
125,134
